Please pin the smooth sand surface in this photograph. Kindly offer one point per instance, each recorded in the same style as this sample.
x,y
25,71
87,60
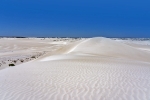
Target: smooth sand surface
x,y
89,69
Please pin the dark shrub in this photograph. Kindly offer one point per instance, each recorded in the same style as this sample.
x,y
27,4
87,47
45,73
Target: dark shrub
x,y
14,61
33,57
11,64
22,60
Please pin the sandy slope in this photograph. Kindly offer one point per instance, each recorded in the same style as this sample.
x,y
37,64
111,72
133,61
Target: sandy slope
x,y
92,69
15,50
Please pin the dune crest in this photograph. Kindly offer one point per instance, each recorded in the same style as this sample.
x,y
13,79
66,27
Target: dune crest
x,y
100,46
108,47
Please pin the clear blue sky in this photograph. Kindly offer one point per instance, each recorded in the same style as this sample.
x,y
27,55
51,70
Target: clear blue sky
x,y
75,18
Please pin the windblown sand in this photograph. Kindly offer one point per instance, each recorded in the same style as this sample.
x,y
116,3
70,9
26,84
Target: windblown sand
x,y
17,51
91,69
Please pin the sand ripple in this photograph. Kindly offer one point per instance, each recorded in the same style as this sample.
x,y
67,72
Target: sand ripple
x,y
73,80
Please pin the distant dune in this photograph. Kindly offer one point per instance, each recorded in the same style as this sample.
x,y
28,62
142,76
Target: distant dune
x,y
88,69
110,48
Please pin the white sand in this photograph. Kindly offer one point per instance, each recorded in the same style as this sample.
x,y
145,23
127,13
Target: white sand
x,y
14,49
92,69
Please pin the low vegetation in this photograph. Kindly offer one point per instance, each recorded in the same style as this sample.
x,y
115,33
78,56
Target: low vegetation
x,y
14,61
33,57
21,60
11,64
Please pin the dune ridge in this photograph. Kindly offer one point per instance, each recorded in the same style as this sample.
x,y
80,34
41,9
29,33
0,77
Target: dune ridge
x,y
103,47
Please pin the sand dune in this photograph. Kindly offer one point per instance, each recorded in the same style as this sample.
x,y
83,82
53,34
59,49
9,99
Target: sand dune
x,y
91,69
17,51
104,47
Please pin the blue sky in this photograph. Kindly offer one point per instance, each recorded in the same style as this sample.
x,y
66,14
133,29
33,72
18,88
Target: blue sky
x,y
75,18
